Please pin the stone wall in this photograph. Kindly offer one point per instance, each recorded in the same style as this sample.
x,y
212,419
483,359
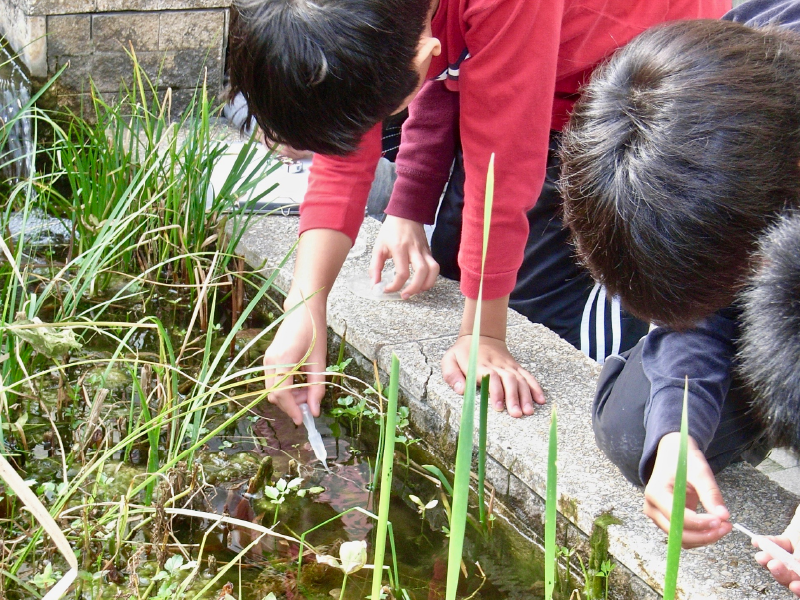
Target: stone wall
x,y
175,42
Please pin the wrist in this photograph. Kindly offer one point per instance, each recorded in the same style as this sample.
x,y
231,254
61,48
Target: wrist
x,y
670,442
313,299
494,314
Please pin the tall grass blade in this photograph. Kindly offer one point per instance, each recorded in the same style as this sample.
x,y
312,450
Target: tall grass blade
x,y
551,501
678,506
386,478
482,425
458,521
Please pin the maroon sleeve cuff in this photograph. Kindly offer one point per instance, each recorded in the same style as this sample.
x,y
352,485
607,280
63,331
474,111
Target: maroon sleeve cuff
x,y
409,186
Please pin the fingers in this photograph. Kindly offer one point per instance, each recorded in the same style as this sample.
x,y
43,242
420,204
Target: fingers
x,y
781,572
316,391
380,254
452,373
510,386
704,483
401,270
692,536
535,390
426,269
285,396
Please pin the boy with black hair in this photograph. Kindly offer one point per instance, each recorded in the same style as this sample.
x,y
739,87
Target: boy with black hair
x,y
496,76
685,146
770,358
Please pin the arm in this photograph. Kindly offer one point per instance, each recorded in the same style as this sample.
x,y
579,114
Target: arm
x,y
502,112
330,217
705,355
302,336
423,167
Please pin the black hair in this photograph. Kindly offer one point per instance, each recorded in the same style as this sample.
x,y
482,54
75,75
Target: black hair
x,y
769,356
684,146
318,74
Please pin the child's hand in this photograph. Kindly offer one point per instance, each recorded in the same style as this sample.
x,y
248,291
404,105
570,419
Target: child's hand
x,y
789,541
302,327
405,243
510,385
701,487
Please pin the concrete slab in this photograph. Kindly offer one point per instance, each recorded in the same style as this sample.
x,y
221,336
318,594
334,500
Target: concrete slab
x,y
419,332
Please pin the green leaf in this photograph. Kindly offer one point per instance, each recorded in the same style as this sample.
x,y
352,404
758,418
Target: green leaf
x,y
51,342
550,511
458,519
678,505
483,412
386,477
294,483
173,563
438,472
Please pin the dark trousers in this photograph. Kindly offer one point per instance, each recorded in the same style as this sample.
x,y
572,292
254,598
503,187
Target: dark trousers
x,y
552,289
620,411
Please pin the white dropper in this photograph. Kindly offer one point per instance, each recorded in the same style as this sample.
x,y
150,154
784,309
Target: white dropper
x,y
314,438
770,547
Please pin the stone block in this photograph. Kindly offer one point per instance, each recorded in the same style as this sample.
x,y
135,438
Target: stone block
x,y
191,30
110,70
184,69
76,76
27,36
191,4
59,7
159,5
70,35
115,32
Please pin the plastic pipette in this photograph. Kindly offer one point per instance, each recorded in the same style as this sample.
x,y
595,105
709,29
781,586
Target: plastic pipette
x,y
314,438
775,551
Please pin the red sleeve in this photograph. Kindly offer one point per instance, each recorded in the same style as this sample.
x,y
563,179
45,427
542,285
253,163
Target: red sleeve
x,y
338,187
506,86
426,154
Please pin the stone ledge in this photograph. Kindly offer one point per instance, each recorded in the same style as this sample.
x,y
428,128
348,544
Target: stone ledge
x,y
420,331
67,7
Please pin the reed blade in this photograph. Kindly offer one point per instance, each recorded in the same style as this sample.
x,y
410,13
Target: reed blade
x,y
458,520
550,510
678,506
386,478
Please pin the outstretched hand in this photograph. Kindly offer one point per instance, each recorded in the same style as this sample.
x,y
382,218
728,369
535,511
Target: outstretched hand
x,y
510,386
789,541
699,529
304,326
405,243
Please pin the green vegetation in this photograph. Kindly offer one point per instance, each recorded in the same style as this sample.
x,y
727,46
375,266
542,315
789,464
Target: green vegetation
x,y
130,398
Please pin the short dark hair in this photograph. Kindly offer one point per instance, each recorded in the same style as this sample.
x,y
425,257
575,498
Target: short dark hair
x,y
684,146
769,356
318,74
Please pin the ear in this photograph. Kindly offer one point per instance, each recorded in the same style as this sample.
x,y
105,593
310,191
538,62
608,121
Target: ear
x,y
428,48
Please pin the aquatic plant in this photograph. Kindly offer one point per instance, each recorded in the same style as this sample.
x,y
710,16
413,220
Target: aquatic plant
x,y
550,511
458,519
678,505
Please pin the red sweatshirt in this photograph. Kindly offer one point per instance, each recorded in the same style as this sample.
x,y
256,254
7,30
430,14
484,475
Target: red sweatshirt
x,y
509,72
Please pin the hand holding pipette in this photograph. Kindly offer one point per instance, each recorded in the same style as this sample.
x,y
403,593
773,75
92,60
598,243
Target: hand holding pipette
x,y
787,571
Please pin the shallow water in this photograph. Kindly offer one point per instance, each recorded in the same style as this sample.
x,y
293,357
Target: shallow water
x,y
16,141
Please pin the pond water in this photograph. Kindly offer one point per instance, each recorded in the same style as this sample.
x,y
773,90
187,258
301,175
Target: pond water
x,y
218,480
